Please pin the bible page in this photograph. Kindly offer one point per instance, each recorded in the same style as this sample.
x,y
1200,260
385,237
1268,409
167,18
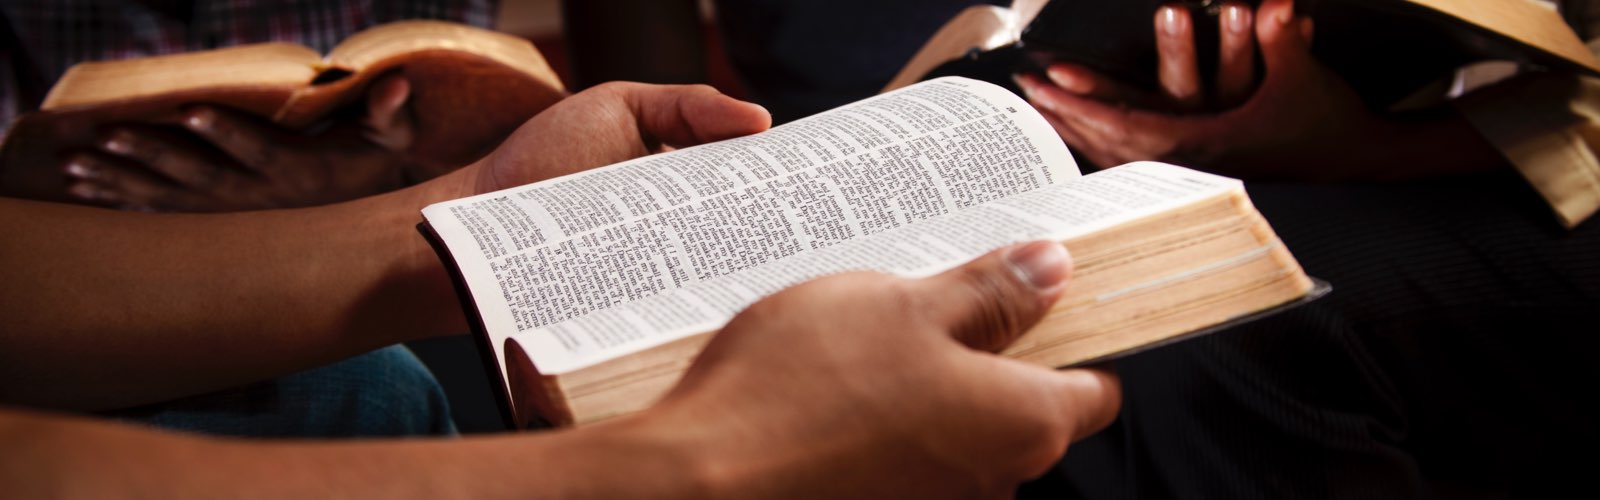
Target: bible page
x,y
538,255
1057,212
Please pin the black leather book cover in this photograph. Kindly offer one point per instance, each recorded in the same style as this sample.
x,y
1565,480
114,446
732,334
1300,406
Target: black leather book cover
x,y
1385,49
491,366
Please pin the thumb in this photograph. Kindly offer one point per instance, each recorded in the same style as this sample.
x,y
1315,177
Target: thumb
x,y
388,122
687,115
989,302
1285,38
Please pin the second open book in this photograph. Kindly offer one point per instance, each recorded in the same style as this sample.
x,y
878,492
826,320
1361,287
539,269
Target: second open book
x,y
595,291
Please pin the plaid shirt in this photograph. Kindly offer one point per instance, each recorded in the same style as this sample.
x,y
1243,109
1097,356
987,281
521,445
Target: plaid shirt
x,y
42,38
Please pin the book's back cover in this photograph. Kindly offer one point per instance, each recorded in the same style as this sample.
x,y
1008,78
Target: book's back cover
x,y
1318,290
491,366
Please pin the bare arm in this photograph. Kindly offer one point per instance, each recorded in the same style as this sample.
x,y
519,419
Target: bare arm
x,y
853,386
60,457
106,309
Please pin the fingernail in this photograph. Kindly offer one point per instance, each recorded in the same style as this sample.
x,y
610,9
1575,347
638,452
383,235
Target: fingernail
x,y
1022,83
1284,16
1238,19
1030,92
117,143
200,118
1170,24
1064,79
80,170
402,90
1041,264
85,191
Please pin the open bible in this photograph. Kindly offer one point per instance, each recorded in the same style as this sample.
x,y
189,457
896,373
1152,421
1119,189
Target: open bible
x,y
469,89
595,291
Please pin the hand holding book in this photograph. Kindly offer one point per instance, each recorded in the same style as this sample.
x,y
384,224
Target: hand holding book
x,y
1303,122
592,292
217,159
887,366
611,123
856,377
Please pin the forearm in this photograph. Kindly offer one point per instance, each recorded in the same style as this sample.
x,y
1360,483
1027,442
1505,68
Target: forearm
x,y
110,309
56,457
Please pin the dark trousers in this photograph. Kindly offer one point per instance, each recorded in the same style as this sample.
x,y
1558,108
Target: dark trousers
x,y
1457,357
384,393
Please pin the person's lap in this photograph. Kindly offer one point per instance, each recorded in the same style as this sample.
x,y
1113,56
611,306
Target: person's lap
x,y
387,392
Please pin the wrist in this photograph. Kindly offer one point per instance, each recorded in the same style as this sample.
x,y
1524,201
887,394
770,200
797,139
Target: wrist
x,y
664,458
458,183
720,451
413,285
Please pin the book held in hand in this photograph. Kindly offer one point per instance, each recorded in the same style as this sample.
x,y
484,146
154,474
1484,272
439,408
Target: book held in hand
x,y
1385,49
595,291
469,89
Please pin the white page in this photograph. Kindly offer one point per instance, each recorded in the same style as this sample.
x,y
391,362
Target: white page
x,y
544,253
924,248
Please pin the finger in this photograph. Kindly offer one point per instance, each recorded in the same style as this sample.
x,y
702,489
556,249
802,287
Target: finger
x,y
686,115
241,137
106,181
1178,69
1088,83
84,171
989,302
1236,59
1090,397
163,156
93,194
1091,153
1051,409
1084,123
1284,38
1068,132
1070,110
1115,135
1050,98
389,122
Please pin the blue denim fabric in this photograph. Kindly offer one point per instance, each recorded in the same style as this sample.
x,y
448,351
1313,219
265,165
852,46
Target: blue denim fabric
x,y
387,392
